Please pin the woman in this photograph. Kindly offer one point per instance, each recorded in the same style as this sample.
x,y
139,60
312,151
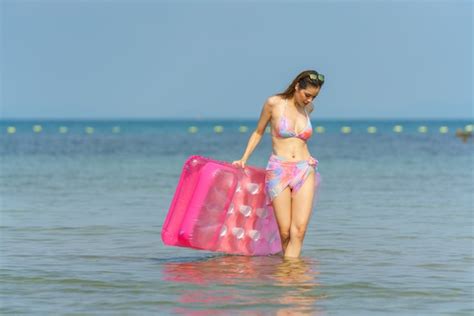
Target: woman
x,y
291,177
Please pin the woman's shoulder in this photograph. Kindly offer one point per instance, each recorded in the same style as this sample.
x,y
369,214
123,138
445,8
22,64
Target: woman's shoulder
x,y
271,103
274,100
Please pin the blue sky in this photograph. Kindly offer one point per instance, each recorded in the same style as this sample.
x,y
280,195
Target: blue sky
x,y
222,59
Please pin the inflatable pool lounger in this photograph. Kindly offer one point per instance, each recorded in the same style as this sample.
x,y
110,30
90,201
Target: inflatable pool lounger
x,y
220,207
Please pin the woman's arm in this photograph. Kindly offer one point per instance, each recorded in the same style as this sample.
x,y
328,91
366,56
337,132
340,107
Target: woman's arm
x,y
257,134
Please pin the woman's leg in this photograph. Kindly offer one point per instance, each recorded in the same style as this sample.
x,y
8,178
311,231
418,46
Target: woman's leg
x,y
282,209
301,208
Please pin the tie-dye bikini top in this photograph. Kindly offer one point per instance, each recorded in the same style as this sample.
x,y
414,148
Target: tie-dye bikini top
x,y
283,127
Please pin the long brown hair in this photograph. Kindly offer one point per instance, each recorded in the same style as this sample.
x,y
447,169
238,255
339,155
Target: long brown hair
x,y
303,80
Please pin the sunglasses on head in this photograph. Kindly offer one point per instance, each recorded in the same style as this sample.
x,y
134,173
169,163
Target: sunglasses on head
x,y
316,76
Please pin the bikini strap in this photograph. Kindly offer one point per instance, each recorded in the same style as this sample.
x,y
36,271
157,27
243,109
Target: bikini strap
x,y
307,115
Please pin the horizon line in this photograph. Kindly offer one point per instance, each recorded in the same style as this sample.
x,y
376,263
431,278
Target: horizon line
x,y
197,119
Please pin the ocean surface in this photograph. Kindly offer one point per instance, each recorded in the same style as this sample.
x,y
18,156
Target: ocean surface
x,y
83,203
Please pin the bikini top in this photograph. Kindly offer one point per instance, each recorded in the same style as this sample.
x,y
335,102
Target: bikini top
x,y
283,130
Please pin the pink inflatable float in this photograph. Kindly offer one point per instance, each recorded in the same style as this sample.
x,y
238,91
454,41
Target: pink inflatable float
x,y
219,207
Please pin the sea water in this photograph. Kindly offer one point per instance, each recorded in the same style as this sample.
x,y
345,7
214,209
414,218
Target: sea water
x,y
83,203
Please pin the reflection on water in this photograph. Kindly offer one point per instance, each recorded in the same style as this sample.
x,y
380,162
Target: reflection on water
x,y
285,286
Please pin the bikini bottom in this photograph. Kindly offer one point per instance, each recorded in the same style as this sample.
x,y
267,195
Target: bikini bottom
x,y
281,173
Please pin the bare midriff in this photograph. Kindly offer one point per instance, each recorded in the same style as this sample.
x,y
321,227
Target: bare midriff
x,y
293,148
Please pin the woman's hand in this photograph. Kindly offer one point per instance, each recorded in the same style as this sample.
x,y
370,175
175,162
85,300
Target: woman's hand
x,y
239,163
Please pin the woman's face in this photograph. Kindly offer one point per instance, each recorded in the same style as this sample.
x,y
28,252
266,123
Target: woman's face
x,y
305,96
